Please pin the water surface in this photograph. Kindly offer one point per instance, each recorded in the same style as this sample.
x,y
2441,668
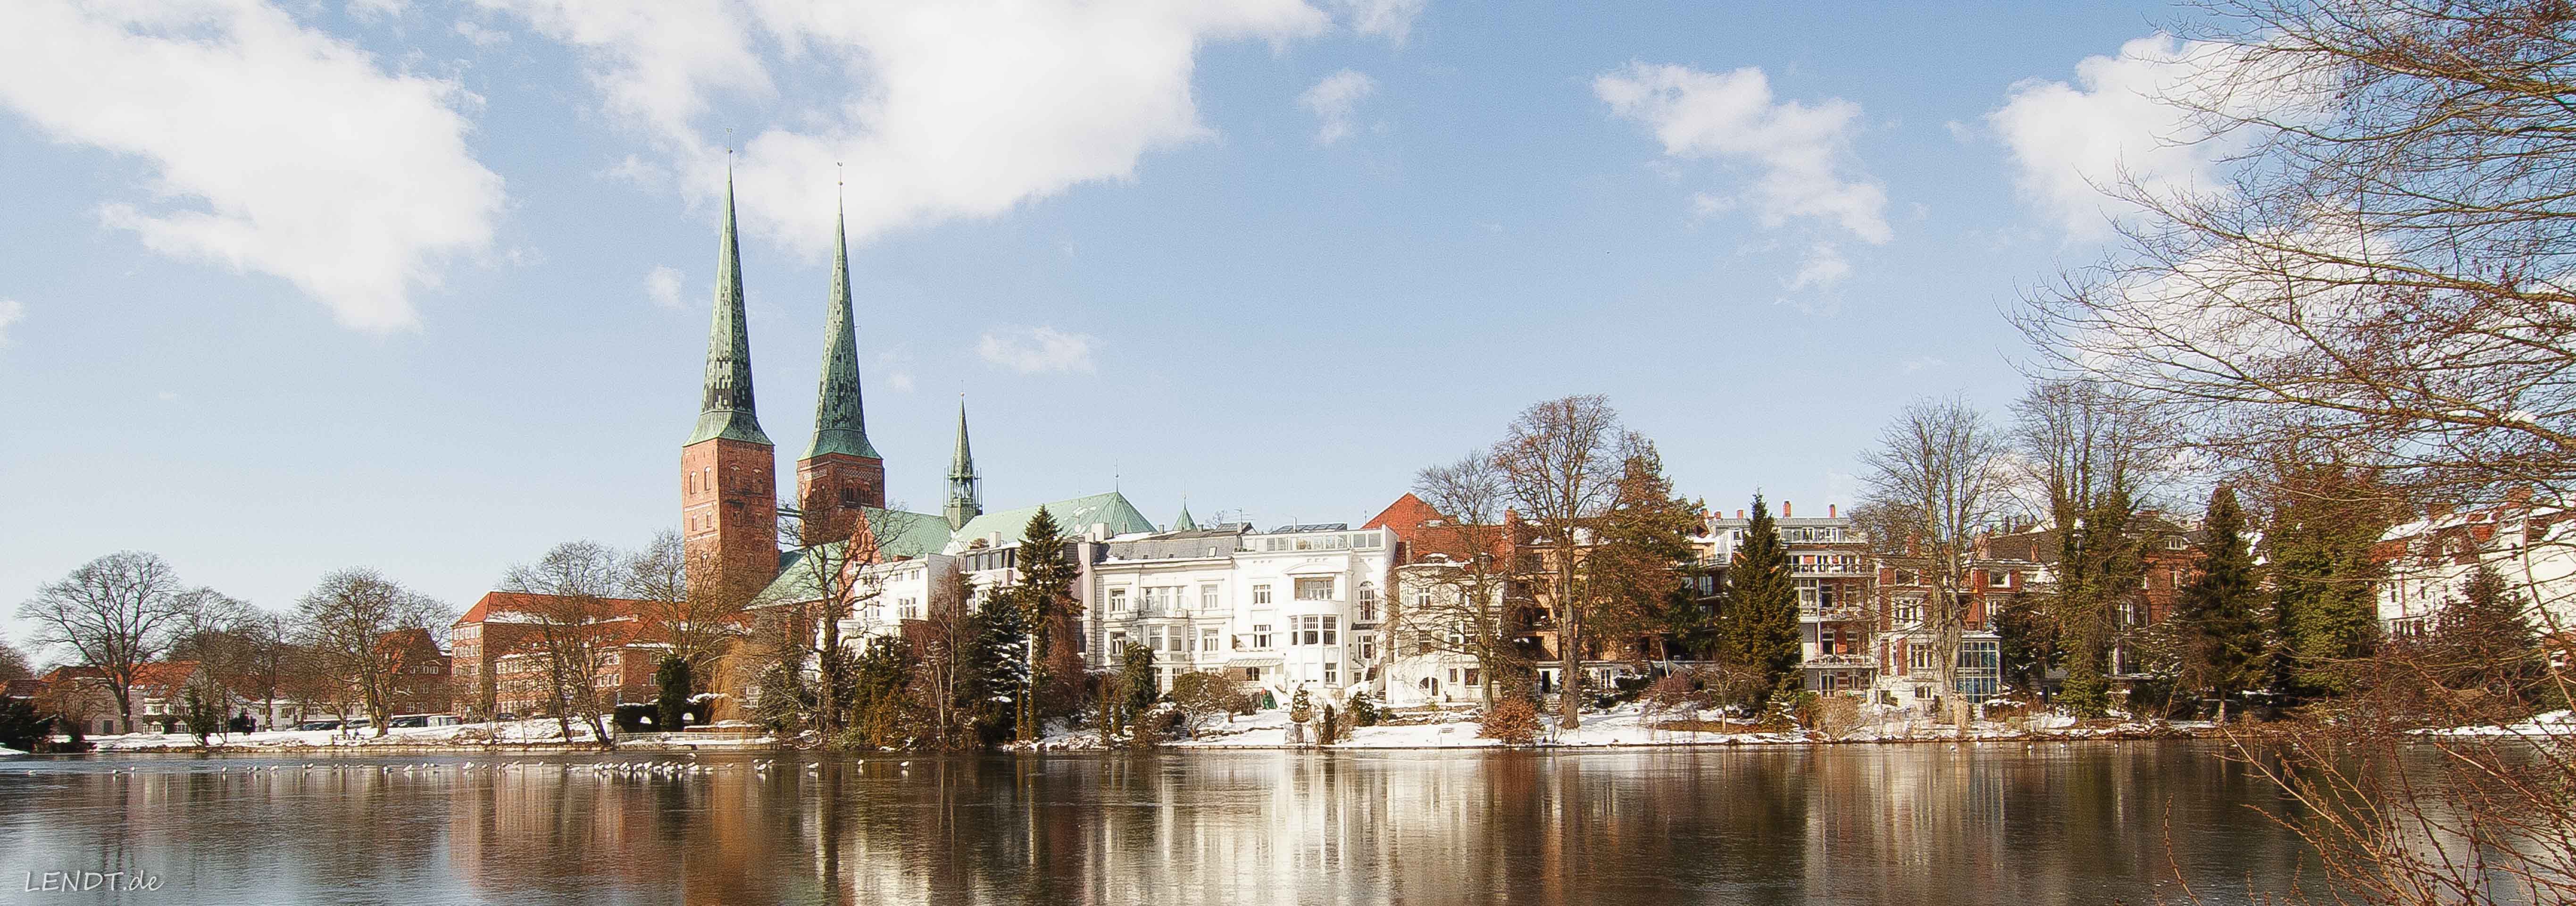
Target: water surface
x,y
1893,824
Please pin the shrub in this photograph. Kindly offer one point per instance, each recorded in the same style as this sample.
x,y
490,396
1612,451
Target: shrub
x,y
1147,729
1364,710
1514,721
1203,696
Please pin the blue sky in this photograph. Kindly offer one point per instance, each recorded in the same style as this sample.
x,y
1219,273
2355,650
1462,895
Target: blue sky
x,y
423,286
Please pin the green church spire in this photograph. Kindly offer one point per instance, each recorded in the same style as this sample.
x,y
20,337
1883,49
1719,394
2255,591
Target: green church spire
x,y
726,411
965,490
840,422
1184,523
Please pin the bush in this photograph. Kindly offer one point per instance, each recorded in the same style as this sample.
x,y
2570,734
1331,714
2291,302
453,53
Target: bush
x,y
1514,721
1147,730
1364,710
1204,696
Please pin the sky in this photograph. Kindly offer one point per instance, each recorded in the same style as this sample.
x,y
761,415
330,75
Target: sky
x,y
424,286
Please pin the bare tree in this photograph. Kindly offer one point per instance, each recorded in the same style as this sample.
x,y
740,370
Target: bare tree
x,y
837,585
1454,596
1560,462
577,624
699,622
2088,454
2383,275
13,663
1937,475
117,613
346,621
944,642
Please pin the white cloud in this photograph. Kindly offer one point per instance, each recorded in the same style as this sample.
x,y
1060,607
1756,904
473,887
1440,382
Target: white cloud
x,y
1391,19
10,313
1037,350
891,369
662,284
1333,102
1922,363
1822,267
1798,153
939,109
273,148
2120,122
480,36
377,9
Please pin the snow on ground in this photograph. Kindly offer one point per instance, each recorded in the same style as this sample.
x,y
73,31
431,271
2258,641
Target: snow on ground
x,y
518,732
2551,724
7,752
1621,726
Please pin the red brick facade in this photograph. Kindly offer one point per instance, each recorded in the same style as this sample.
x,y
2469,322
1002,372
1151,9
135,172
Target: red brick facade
x,y
832,487
729,511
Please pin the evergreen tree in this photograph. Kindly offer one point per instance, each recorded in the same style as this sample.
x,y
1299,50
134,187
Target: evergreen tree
x,y
2027,641
2482,641
1136,678
996,667
2100,557
1047,607
2322,577
881,715
1758,626
2225,647
672,704
1634,569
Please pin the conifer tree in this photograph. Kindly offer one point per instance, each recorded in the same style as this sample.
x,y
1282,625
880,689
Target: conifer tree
x,y
2322,577
1634,572
1758,626
1046,605
2226,648
996,661
2482,641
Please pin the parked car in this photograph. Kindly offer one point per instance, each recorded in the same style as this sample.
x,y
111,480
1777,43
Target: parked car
x,y
318,725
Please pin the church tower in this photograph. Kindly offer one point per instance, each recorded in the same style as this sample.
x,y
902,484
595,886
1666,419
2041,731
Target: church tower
x,y
728,469
965,491
841,471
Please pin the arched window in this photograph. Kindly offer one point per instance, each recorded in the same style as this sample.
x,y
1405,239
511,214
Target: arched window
x,y
1368,602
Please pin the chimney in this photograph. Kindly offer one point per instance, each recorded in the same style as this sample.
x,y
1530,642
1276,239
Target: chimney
x,y
1739,514
1831,509
1784,509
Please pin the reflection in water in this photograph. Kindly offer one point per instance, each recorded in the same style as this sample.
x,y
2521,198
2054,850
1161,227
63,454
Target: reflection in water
x,y
1851,824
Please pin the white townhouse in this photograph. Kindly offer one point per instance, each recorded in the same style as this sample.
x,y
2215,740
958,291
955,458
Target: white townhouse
x,y
1298,606
2429,562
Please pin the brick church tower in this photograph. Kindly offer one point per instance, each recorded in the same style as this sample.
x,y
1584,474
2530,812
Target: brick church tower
x,y
841,471
728,469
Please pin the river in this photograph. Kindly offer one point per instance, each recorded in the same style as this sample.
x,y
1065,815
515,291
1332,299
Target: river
x,y
1863,824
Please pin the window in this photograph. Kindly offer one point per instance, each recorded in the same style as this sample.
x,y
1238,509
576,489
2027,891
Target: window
x,y
1207,597
1207,638
2176,542
1117,641
1999,579
908,608
1260,594
1475,677
1826,640
1368,645
1368,602
1909,610
1315,589
1162,599
1155,639
1918,659
1306,630
1332,630
1260,635
1421,598
1332,672
849,497
1252,673
1117,600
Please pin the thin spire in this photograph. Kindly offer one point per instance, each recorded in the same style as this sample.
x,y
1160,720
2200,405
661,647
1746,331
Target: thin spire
x,y
840,420
725,409
965,490
1183,522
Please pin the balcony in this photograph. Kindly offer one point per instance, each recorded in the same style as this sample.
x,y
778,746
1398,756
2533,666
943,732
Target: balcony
x,y
1837,614
1839,661
1813,570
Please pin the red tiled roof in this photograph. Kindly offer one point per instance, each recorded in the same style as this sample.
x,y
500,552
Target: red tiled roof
x,y
506,601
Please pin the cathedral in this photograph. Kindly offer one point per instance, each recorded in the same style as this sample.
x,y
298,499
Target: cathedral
x,y
729,505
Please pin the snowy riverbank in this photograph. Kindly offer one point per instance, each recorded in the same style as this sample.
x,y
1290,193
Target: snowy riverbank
x,y
1626,726
534,734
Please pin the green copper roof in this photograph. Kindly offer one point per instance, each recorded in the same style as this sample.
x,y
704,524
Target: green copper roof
x,y
1183,523
898,533
965,494
1075,515
840,422
726,410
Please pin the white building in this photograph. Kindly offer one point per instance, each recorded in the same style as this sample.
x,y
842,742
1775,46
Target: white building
x,y
1296,607
2430,560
